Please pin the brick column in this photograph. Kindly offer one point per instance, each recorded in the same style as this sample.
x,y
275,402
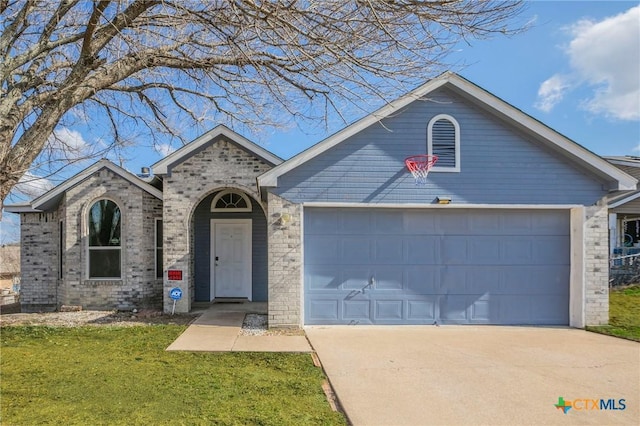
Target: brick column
x,y
285,262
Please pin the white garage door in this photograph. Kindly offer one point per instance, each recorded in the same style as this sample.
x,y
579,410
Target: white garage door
x,y
422,266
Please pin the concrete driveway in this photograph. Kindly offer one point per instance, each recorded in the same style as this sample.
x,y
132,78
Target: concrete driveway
x,y
415,375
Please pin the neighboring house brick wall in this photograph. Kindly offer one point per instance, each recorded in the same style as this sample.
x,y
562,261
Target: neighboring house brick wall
x,y
138,286
38,263
220,165
596,260
285,262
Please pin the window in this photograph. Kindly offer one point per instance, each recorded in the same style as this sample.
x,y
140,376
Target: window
x,y
230,201
159,248
105,249
443,140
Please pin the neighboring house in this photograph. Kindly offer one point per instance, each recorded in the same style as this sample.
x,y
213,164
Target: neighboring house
x,y
10,266
340,233
624,211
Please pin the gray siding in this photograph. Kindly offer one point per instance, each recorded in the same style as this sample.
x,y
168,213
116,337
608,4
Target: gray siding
x,y
202,248
499,164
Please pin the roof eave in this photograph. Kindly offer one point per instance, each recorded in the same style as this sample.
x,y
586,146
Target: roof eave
x,y
20,208
84,174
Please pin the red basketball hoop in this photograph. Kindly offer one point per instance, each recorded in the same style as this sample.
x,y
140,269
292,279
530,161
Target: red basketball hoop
x,y
419,166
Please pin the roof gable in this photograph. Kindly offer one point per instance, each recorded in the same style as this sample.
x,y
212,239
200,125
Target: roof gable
x,y
476,95
165,165
51,197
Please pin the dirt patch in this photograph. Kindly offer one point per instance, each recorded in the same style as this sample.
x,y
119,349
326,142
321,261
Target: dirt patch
x,y
96,318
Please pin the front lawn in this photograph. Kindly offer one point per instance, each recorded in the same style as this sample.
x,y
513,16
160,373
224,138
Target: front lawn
x,y
624,314
122,375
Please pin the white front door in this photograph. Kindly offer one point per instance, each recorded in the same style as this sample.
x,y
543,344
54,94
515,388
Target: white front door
x,y
231,258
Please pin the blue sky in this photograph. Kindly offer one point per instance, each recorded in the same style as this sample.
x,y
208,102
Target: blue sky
x,y
577,69
576,98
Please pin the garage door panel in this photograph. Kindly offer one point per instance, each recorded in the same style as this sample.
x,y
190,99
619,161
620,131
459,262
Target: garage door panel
x,y
320,278
355,222
423,279
484,224
534,280
484,251
388,310
321,249
389,222
548,310
322,311
453,267
322,222
355,250
422,310
480,311
551,250
422,249
353,278
356,310
549,223
453,308
390,278
453,250
418,223
389,250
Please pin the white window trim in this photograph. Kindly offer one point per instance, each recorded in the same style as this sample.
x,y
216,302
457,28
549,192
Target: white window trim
x,y
155,249
456,126
88,247
231,210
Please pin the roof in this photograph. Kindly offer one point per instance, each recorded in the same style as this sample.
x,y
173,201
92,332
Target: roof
x,y
561,144
623,199
50,198
164,166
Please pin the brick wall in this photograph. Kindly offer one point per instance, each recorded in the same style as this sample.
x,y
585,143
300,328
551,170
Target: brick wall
x,y
39,261
138,287
220,165
285,262
596,261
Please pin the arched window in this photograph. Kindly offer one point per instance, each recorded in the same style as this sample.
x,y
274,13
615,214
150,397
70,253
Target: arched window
x,y
231,201
105,244
443,140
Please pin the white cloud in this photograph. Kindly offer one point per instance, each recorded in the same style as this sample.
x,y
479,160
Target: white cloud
x,y
551,92
605,56
164,149
68,142
32,185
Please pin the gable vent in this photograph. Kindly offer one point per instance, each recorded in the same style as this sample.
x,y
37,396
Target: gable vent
x,y
444,142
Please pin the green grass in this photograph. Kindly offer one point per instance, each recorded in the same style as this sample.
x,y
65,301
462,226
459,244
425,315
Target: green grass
x,y
122,375
624,314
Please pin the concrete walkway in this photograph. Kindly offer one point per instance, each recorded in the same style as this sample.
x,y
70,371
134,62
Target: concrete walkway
x,y
218,330
467,375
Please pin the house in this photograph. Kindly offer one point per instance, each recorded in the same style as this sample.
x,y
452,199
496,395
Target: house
x,y
10,267
509,228
624,213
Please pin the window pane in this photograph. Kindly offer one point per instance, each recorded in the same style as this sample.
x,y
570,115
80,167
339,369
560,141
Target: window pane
x,y
104,224
158,233
159,263
104,263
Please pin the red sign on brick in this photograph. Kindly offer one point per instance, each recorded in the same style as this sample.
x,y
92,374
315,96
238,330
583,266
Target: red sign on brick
x,y
174,274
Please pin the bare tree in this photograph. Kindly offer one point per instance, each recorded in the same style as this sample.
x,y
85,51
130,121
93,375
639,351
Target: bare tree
x,y
148,64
